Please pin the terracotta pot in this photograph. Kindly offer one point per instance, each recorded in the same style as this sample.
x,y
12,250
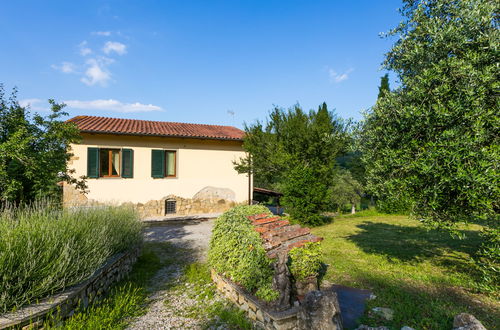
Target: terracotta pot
x,y
305,286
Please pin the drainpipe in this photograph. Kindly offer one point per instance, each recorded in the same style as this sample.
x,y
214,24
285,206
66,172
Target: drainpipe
x,y
249,180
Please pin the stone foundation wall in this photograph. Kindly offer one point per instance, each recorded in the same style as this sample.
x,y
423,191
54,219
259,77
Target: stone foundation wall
x,y
201,203
66,303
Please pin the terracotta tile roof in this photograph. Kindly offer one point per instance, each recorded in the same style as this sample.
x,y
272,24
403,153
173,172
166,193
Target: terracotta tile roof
x,y
93,124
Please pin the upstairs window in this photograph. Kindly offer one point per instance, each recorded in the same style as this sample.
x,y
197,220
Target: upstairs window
x,y
163,163
109,163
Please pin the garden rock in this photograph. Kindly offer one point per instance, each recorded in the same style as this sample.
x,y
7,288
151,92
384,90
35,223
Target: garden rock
x,y
320,310
466,321
385,313
407,328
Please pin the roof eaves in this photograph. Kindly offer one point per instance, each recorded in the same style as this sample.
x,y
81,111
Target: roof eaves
x,y
162,135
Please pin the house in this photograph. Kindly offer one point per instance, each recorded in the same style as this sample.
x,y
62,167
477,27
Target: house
x,y
160,168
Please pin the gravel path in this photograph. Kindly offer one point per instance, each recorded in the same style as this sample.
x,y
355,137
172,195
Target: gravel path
x,y
191,242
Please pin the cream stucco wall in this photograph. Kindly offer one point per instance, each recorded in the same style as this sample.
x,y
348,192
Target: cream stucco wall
x,y
200,163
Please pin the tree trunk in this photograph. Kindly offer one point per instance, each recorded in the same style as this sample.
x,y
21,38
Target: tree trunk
x,y
353,208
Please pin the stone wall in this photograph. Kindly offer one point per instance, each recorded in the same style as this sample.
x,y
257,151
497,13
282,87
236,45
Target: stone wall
x,y
300,305
259,313
80,296
207,201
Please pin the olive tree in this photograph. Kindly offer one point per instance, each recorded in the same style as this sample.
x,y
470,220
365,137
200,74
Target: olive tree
x,y
433,142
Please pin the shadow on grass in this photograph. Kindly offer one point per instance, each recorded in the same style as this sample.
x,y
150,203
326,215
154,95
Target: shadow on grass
x,y
408,243
424,307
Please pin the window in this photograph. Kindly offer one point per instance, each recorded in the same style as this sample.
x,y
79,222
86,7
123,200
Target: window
x,y
170,206
170,168
109,163
163,163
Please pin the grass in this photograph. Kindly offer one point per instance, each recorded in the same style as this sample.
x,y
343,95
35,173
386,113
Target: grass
x,y
44,249
426,277
126,299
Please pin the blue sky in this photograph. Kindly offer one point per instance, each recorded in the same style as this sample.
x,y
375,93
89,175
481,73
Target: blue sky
x,y
195,61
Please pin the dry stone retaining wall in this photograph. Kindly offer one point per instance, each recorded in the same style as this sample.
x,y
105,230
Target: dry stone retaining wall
x,y
66,303
256,311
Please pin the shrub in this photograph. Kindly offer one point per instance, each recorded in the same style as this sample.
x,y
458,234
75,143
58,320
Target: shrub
x,y
305,195
236,251
44,250
305,261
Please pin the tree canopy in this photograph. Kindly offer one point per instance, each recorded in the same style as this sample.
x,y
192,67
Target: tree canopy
x,y
433,142
33,151
295,152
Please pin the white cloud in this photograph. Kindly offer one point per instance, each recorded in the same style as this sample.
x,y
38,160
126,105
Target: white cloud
x,y
97,72
84,50
102,33
34,104
65,67
114,46
338,77
112,105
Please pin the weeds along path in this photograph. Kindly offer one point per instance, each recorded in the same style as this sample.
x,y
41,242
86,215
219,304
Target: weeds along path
x,y
181,295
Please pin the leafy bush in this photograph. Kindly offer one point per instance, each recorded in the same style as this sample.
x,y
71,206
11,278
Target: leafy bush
x,y
305,261
305,196
236,251
44,250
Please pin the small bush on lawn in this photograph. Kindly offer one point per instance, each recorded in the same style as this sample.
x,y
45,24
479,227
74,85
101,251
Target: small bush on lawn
x,y
305,261
236,251
44,249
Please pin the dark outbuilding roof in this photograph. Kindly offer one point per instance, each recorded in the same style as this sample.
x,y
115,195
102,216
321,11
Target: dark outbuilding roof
x,y
106,125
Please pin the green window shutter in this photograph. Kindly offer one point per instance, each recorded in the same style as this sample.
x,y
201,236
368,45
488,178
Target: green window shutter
x,y
127,163
93,162
157,163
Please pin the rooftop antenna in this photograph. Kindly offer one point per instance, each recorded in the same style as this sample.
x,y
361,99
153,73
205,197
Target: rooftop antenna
x,y
231,113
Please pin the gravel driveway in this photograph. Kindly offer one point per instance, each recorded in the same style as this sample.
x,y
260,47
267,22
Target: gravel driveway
x,y
162,312
194,235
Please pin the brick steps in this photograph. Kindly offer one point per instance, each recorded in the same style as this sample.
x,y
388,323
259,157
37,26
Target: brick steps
x,y
296,242
262,221
279,236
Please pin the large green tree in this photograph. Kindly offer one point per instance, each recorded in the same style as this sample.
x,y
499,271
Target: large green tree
x,y
433,143
295,152
33,151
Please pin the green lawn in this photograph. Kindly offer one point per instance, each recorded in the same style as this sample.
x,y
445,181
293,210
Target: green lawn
x,y
424,276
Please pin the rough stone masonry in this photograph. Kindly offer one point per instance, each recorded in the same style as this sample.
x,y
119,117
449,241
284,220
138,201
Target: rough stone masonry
x,y
313,307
